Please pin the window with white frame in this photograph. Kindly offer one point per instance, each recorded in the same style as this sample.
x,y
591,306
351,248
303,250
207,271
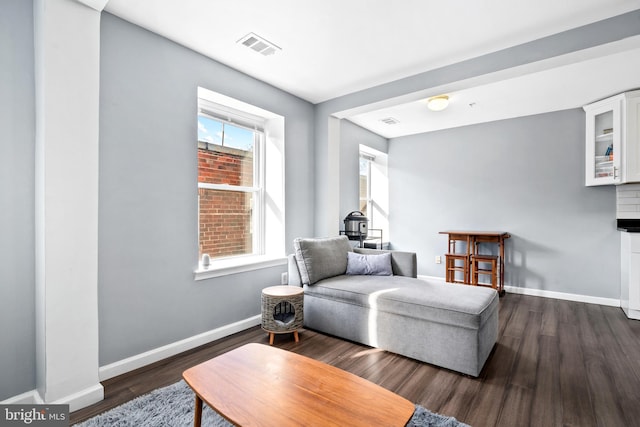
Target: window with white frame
x,y
234,142
374,189
365,183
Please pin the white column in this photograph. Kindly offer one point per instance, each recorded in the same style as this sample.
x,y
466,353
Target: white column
x,y
67,69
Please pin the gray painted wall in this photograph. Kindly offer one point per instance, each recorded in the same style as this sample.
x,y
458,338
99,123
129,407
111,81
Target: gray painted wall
x,y
595,34
351,136
148,195
524,176
17,163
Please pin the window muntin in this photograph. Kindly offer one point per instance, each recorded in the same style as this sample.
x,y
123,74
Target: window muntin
x,y
230,191
232,153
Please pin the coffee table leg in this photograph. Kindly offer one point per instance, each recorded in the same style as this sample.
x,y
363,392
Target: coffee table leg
x,y
197,417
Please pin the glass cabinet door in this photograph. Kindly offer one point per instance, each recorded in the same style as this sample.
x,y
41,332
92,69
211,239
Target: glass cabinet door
x,y
603,143
604,150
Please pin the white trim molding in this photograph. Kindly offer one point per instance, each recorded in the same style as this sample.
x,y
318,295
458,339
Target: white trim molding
x,y
160,353
236,265
82,398
78,400
75,401
92,394
26,398
98,5
563,296
431,278
612,302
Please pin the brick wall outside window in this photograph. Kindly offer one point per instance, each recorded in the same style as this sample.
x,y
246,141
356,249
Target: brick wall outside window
x,y
225,216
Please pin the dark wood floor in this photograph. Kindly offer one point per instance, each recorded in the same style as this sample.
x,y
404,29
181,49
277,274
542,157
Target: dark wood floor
x,y
556,363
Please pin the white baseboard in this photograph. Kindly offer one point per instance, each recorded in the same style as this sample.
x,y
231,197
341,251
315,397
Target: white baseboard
x,y
82,398
160,353
26,398
546,294
563,296
431,278
76,401
95,393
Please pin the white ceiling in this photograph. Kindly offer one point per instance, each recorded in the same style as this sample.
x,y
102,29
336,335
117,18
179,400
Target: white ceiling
x,y
498,97
335,47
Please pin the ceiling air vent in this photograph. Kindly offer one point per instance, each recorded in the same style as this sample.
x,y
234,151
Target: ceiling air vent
x,y
260,45
390,121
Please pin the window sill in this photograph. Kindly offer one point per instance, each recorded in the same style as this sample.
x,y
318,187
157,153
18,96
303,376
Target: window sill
x,y
225,267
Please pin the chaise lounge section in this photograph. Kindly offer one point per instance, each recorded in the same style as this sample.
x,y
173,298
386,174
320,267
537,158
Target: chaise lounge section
x,y
448,325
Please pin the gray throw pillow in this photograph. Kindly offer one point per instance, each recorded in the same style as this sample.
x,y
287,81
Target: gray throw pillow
x,y
369,265
319,259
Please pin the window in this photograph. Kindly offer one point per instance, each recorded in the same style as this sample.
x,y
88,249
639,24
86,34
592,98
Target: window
x,y
365,183
229,185
240,217
374,189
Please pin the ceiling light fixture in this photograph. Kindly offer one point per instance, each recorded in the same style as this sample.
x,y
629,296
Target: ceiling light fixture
x,y
259,44
438,103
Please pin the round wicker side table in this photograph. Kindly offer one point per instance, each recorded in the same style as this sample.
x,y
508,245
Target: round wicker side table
x,y
282,310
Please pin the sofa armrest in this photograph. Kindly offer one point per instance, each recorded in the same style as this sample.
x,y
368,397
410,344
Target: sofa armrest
x,y
293,274
402,263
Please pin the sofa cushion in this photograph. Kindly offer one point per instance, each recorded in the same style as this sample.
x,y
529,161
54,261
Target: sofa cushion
x,y
458,305
322,258
402,263
373,265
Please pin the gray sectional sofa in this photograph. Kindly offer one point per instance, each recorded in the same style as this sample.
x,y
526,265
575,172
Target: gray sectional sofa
x,y
448,325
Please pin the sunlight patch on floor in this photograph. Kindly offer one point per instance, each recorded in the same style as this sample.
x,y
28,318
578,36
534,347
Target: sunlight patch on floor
x,y
368,352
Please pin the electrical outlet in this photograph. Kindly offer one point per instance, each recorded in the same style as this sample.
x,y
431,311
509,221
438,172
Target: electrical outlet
x,y
438,259
284,279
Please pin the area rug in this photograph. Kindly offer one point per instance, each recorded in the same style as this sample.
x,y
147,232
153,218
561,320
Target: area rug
x,y
173,406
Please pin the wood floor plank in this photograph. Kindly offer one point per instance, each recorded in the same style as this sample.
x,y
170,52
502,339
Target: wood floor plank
x,y
577,409
443,386
459,401
547,385
623,348
486,407
391,373
517,323
506,309
536,304
526,363
602,358
566,313
419,385
550,318
516,408
359,361
556,363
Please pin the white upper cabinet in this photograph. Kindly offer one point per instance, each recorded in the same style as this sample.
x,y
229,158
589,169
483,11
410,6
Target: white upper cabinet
x,y
613,140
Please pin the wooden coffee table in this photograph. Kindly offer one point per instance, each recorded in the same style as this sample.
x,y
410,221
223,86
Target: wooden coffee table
x,y
261,385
